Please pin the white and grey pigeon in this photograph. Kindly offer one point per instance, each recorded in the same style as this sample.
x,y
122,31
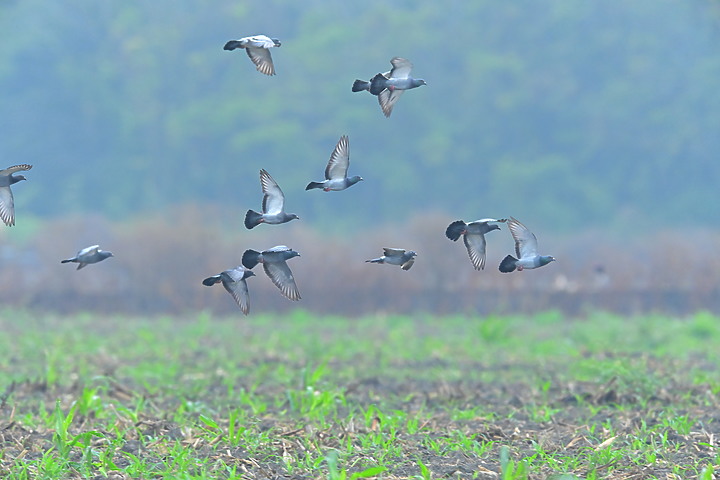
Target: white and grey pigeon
x,y
274,261
526,249
273,205
257,47
234,281
7,203
336,171
390,86
396,256
89,255
474,237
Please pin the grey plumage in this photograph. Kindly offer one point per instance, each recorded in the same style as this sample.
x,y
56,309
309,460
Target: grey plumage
x,y
474,237
257,48
234,281
273,205
526,247
274,262
396,256
336,171
88,255
389,86
7,202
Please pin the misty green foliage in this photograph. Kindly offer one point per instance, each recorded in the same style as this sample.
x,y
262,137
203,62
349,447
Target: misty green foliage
x,y
577,113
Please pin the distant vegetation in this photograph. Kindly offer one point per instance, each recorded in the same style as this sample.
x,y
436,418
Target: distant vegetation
x,y
159,264
577,114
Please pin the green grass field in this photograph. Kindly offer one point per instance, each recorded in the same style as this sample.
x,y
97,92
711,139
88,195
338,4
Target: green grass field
x,y
391,397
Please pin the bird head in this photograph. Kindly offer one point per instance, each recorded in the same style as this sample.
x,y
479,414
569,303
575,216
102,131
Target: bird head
x,y
420,82
494,226
249,273
276,42
17,178
294,217
545,259
355,179
412,253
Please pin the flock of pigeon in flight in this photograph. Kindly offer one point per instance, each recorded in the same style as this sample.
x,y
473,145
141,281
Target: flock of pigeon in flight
x,y
388,87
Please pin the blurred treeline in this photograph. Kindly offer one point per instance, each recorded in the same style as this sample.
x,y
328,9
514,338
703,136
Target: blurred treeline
x,y
592,115
160,262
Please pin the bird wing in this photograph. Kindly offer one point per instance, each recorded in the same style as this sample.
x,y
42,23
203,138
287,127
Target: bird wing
x,y
15,168
7,206
238,288
88,250
339,162
260,56
407,265
393,252
401,68
278,248
388,99
273,198
525,240
259,41
475,245
282,277
487,220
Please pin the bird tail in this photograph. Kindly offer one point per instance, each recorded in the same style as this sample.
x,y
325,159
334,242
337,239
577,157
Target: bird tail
x,y
508,264
455,229
250,258
377,84
210,281
252,219
232,45
376,260
312,185
360,85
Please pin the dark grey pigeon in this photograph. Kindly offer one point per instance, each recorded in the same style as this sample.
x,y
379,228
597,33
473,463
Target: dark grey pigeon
x,y
336,171
273,205
396,256
274,261
7,203
234,282
389,86
257,49
474,237
525,248
89,255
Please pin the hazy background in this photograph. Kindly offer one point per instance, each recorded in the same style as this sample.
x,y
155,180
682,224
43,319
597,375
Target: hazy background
x,y
595,123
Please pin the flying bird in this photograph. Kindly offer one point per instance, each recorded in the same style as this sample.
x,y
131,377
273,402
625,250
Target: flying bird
x,y
525,248
390,85
274,261
273,205
474,237
396,256
234,281
257,48
336,171
89,255
7,203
